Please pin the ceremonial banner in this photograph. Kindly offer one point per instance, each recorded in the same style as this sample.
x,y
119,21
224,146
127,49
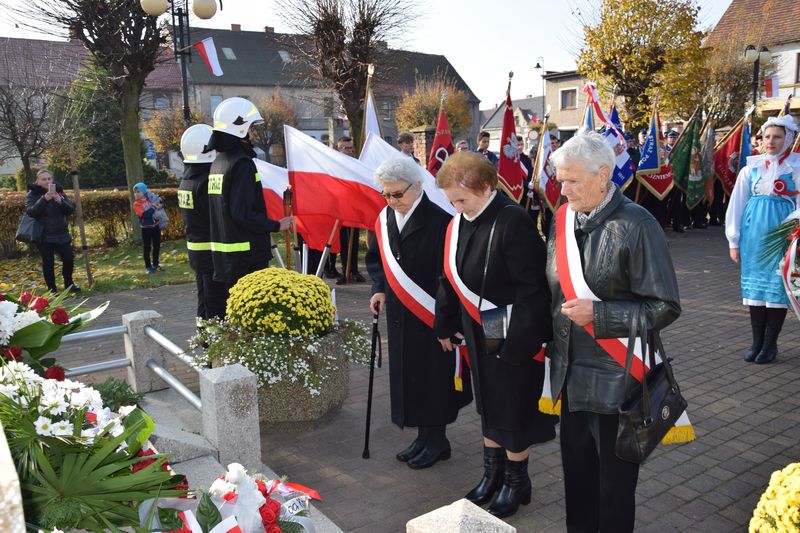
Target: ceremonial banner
x,y
315,229
771,87
623,170
707,161
511,174
371,122
729,153
208,52
652,173
376,151
546,185
687,146
442,144
326,182
594,101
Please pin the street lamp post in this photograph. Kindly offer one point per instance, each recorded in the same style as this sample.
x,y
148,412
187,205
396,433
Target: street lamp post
x,y
540,65
757,58
181,36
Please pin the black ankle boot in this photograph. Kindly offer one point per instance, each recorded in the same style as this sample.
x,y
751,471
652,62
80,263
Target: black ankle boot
x,y
758,340
494,460
516,489
769,351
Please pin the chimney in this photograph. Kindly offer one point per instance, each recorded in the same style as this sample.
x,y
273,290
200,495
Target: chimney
x,y
236,27
528,96
269,29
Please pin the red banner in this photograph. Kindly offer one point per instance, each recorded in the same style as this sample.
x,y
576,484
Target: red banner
x,y
727,157
510,174
442,144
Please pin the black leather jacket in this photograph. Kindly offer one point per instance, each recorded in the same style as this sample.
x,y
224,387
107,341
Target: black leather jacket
x,y
626,261
52,215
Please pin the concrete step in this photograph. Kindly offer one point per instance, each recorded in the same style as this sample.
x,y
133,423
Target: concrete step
x,y
169,409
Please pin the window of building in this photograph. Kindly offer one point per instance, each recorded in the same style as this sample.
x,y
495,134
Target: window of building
x,y
216,99
162,101
797,70
569,98
228,53
285,57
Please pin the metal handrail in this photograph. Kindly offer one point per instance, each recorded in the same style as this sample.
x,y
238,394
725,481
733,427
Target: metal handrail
x,y
97,367
93,334
169,346
175,383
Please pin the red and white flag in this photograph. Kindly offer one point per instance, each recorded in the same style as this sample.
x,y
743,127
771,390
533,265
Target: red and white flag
x,y
376,151
326,182
315,229
594,100
511,175
771,88
548,187
208,52
442,144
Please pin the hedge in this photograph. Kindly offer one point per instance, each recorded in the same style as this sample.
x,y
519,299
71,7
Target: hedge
x,y
106,215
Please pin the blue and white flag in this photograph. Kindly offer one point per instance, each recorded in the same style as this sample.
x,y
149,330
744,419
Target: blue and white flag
x,y
623,171
651,161
588,119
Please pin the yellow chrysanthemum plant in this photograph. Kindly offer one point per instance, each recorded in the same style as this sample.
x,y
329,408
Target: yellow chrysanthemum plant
x,y
778,510
280,325
279,301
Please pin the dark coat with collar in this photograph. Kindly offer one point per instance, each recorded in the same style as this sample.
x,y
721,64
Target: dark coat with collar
x,y
626,261
420,373
507,386
53,216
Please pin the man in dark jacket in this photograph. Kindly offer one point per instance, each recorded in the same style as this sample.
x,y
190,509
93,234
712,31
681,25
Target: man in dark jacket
x,y
620,261
193,204
238,215
47,203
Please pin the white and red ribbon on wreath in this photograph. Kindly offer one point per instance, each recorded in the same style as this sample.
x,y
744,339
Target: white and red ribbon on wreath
x,y
788,271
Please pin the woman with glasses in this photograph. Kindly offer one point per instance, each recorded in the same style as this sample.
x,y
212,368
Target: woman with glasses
x,y
405,262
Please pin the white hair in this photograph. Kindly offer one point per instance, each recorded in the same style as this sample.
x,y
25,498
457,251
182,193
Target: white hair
x,y
398,168
589,149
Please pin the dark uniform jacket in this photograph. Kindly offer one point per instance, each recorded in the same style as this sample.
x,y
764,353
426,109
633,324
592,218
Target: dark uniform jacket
x,y
626,262
193,203
52,215
507,386
239,225
420,373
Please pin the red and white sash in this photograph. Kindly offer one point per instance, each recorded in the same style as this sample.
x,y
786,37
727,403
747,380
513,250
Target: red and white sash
x,y
573,285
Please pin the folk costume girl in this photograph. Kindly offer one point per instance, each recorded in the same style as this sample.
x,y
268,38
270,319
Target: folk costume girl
x,y
507,382
766,191
405,262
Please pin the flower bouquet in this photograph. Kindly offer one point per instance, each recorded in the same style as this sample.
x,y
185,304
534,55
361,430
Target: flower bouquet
x,y
79,465
783,240
239,502
778,508
32,326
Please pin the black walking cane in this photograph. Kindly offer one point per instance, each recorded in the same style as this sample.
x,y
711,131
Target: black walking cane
x,y
375,340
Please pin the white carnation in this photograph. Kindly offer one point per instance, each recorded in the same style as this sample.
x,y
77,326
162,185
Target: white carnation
x,y
25,318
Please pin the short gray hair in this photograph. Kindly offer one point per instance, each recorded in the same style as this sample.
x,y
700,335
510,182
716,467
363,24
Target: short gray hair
x,y
398,168
589,150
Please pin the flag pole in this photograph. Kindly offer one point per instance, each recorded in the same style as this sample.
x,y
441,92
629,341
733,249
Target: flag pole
x,y
275,252
288,200
370,73
536,160
327,251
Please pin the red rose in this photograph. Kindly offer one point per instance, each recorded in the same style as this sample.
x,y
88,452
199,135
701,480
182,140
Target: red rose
x,y
274,505
25,298
59,316
12,353
274,528
228,496
39,304
144,463
91,417
262,487
268,517
2,297
54,372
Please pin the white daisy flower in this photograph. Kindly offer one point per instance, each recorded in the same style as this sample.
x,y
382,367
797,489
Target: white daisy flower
x,y
62,429
44,426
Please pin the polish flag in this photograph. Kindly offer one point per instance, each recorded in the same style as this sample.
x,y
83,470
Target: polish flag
x,y
771,87
376,151
326,182
209,54
315,229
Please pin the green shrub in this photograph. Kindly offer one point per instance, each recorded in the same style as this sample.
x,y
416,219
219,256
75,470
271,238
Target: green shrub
x,y
117,393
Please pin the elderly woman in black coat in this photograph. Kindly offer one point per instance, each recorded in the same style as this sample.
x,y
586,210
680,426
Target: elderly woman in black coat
x,y
51,209
508,379
405,263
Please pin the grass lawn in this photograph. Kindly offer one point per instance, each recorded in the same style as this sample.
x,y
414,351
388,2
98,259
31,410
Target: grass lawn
x,y
114,269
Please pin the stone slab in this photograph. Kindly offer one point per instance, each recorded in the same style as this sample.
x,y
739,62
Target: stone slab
x,y
461,516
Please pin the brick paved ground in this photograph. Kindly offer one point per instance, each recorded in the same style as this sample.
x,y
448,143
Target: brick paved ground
x,y
747,418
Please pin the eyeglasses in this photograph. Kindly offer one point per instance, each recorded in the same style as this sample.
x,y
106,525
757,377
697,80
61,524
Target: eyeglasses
x,y
397,195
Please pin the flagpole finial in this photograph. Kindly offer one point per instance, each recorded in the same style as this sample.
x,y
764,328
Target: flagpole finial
x,y
371,69
443,96
510,75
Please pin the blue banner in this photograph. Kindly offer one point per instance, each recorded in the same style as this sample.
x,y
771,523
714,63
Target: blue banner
x,y
650,161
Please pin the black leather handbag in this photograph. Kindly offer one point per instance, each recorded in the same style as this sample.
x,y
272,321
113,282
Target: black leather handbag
x,y
654,405
494,321
30,229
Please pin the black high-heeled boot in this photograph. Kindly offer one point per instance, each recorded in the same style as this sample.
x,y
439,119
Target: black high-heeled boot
x,y
769,351
494,460
516,489
758,340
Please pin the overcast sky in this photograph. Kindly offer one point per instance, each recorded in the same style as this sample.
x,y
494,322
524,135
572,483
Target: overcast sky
x,y
483,39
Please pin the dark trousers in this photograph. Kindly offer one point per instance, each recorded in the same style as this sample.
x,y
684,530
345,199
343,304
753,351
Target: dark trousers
x,y
718,206
678,211
434,437
212,296
344,240
151,238
600,488
64,251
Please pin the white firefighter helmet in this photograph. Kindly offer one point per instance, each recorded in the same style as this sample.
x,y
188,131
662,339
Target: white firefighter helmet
x,y
235,116
193,144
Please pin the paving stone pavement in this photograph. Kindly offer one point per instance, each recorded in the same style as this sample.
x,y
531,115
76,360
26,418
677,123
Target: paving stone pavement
x,y
747,419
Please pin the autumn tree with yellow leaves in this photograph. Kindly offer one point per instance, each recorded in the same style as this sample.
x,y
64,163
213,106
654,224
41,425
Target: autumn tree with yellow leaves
x,y
420,108
645,49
